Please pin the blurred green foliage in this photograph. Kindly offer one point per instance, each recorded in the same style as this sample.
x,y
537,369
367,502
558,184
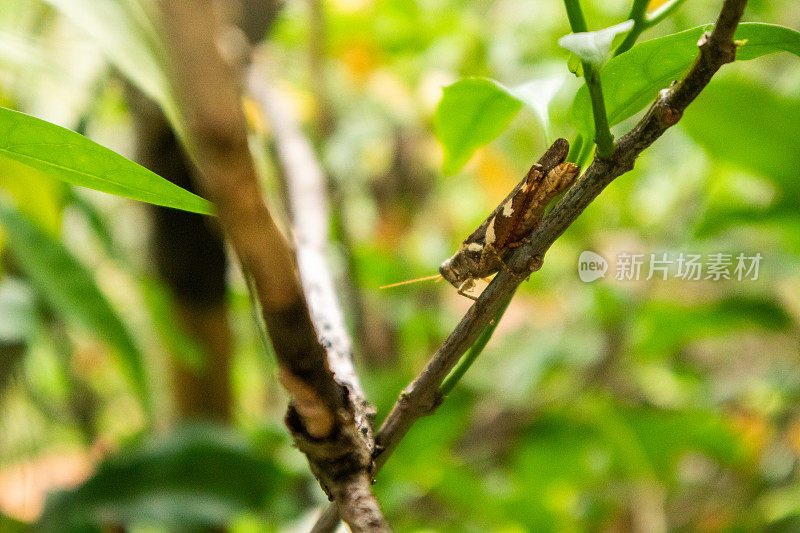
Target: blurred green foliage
x,y
196,477
605,406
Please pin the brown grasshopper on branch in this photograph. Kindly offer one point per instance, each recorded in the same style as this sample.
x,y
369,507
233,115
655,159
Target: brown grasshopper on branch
x,y
483,253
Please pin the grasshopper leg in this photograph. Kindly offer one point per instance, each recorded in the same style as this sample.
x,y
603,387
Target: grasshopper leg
x,y
499,257
465,286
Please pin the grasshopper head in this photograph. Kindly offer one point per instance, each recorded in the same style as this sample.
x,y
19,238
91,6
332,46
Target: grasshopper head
x,y
449,272
463,265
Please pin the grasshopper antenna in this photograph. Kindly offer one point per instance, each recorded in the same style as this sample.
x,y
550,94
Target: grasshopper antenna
x,y
437,277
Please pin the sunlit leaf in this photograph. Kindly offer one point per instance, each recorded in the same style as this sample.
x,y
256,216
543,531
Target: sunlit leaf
x,y
199,476
763,39
71,290
781,507
70,157
594,47
18,51
471,113
36,194
555,459
763,143
474,111
632,80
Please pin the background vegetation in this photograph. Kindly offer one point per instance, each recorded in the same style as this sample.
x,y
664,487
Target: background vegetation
x,y
613,405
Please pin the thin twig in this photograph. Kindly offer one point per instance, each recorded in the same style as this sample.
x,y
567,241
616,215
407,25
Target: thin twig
x,y
474,352
321,417
423,395
305,183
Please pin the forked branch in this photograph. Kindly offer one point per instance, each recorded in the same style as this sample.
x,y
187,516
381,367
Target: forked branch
x,y
423,395
322,416
305,184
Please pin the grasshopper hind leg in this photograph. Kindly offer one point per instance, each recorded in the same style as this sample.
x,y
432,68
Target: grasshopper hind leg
x,y
492,250
467,284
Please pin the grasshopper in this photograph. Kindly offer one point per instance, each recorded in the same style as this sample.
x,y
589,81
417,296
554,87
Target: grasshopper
x,y
507,227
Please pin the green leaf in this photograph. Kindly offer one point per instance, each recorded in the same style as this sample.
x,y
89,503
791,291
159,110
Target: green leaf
x,y
471,113
749,124
38,196
11,525
575,65
781,507
594,47
199,476
666,436
474,111
71,290
556,454
181,344
665,327
632,80
763,39
72,158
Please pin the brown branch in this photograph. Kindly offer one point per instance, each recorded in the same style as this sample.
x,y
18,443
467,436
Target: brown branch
x,y
321,416
422,396
305,183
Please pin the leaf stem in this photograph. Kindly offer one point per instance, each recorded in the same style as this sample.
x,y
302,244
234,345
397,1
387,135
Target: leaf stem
x,y
475,350
603,137
575,16
602,133
642,20
639,16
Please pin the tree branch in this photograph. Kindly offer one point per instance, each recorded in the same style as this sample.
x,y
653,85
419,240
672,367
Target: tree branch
x,y
321,416
305,183
423,395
